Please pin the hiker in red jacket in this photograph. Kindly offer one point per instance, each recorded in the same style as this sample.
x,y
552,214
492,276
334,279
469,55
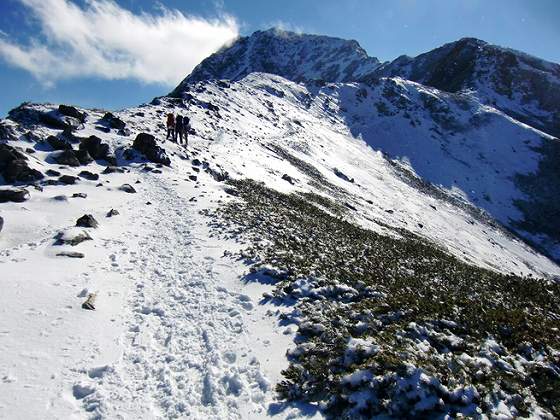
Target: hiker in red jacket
x,y
171,126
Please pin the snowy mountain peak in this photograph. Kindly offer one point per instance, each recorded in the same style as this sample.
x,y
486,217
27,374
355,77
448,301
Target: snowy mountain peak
x,y
470,41
294,56
525,87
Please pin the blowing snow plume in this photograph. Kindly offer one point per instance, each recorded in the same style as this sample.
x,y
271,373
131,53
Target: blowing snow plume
x,y
104,40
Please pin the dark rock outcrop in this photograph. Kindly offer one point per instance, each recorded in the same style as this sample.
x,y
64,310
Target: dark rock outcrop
x,y
112,121
30,136
9,154
112,213
73,239
288,178
88,175
70,254
71,111
19,171
95,147
217,173
343,176
52,172
58,144
1,223
14,167
54,119
83,156
15,195
127,188
7,132
68,179
67,157
88,221
30,115
69,136
113,169
147,145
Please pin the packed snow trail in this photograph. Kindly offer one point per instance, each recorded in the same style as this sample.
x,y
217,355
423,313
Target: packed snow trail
x,y
175,332
182,355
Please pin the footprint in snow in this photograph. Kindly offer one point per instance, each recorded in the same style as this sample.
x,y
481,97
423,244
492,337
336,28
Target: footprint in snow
x,y
82,390
8,379
35,312
245,302
99,371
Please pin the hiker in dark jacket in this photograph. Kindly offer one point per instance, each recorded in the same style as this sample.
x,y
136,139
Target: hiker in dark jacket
x,y
179,129
171,126
186,128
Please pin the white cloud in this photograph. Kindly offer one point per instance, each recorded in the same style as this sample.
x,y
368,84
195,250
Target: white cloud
x,y
285,26
104,40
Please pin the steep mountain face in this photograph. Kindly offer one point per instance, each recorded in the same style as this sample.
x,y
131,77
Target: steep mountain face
x,y
524,87
470,77
352,244
296,57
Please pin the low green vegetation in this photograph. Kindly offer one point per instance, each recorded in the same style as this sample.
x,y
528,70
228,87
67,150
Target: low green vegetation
x,y
394,325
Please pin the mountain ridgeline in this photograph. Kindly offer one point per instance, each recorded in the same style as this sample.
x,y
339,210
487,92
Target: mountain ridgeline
x,y
517,85
522,86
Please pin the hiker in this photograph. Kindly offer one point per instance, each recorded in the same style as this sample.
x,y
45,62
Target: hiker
x,y
186,128
179,128
170,126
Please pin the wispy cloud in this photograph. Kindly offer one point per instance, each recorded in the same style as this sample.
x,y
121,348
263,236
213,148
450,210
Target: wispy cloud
x,y
102,39
285,26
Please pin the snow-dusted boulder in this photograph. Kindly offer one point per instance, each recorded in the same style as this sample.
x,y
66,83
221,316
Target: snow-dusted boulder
x,y
71,111
147,145
88,221
58,144
95,147
16,195
112,121
66,157
72,236
14,167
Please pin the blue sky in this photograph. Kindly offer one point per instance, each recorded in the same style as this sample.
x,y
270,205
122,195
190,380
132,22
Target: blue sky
x,y
64,51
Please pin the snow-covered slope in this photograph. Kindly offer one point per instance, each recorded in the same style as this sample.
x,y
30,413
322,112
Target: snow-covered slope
x,y
174,323
473,151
